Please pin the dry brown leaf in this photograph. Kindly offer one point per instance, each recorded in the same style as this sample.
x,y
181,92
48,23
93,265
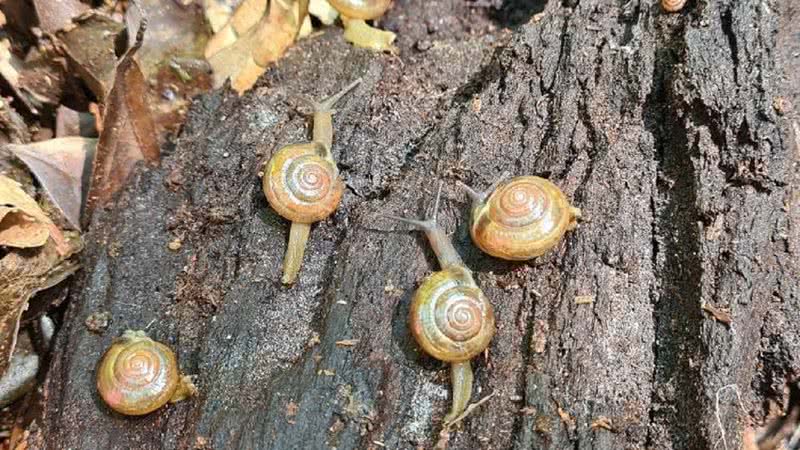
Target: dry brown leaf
x,y
171,58
244,60
73,123
10,68
173,30
57,14
90,48
603,422
719,314
10,65
60,166
128,134
347,342
24,273
218,12
246,16
23,224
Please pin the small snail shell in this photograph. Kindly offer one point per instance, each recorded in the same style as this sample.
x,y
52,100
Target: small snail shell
x,y
450,317
138,375
672,5
521,219
361,9
301,184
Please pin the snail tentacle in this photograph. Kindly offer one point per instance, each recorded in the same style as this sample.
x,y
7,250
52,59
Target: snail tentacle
x,y
446,254
479,197
461,379
323,118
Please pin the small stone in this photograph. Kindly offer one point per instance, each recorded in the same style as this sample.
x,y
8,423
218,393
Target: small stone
x,y
98,322
175,244
423,45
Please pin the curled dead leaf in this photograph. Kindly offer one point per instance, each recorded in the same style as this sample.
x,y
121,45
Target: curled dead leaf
x,y
173,29
23,224
60,166
55,15
128,134
242,51
24,273
89,46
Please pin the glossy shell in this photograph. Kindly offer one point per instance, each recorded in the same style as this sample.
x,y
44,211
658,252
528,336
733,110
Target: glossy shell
x,y
522,219
301,185
450,317
672,5
361,9
137,375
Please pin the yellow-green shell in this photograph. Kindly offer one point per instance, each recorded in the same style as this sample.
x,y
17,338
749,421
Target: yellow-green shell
x,y
522,219
450,318
137,375
301,185
361,9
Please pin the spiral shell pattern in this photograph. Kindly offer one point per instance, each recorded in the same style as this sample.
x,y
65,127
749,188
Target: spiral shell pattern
x,y
361,9
450,317
673,5
522,219
137,375
301,185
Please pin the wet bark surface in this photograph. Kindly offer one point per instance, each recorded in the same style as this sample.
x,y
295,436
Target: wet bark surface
x,y
676,136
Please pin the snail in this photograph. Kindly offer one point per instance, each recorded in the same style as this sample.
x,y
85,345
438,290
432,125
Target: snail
x,y
671,6
138,375
302,184
355,13
520,219
450,317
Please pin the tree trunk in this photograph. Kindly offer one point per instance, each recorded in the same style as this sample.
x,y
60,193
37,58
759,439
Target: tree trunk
x,y
672,132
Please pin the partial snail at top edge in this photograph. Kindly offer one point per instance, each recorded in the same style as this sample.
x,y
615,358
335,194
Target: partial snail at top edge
x,y
355,13
361,9
450,317
673,5
138,375
302,183
520,219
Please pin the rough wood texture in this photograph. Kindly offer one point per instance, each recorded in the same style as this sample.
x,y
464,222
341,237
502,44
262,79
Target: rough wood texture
x,y
664,129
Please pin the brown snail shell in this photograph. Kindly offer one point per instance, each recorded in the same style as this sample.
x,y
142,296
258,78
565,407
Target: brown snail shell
x,y
672,5
138,375
522,219
450,317
301,184
361,9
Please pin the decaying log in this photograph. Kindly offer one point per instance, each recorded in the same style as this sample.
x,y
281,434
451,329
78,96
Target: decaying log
x,y
674,133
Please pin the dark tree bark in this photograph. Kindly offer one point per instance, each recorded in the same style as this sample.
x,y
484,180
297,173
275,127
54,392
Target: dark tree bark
x,y
674,134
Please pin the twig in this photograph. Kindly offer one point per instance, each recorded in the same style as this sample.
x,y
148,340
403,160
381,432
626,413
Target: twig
x,y
716,410
468,411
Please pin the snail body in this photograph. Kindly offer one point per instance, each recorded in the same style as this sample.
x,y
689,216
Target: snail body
x,y
361,9
138,375
521,219
450,317
671,6
354,15
302,184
